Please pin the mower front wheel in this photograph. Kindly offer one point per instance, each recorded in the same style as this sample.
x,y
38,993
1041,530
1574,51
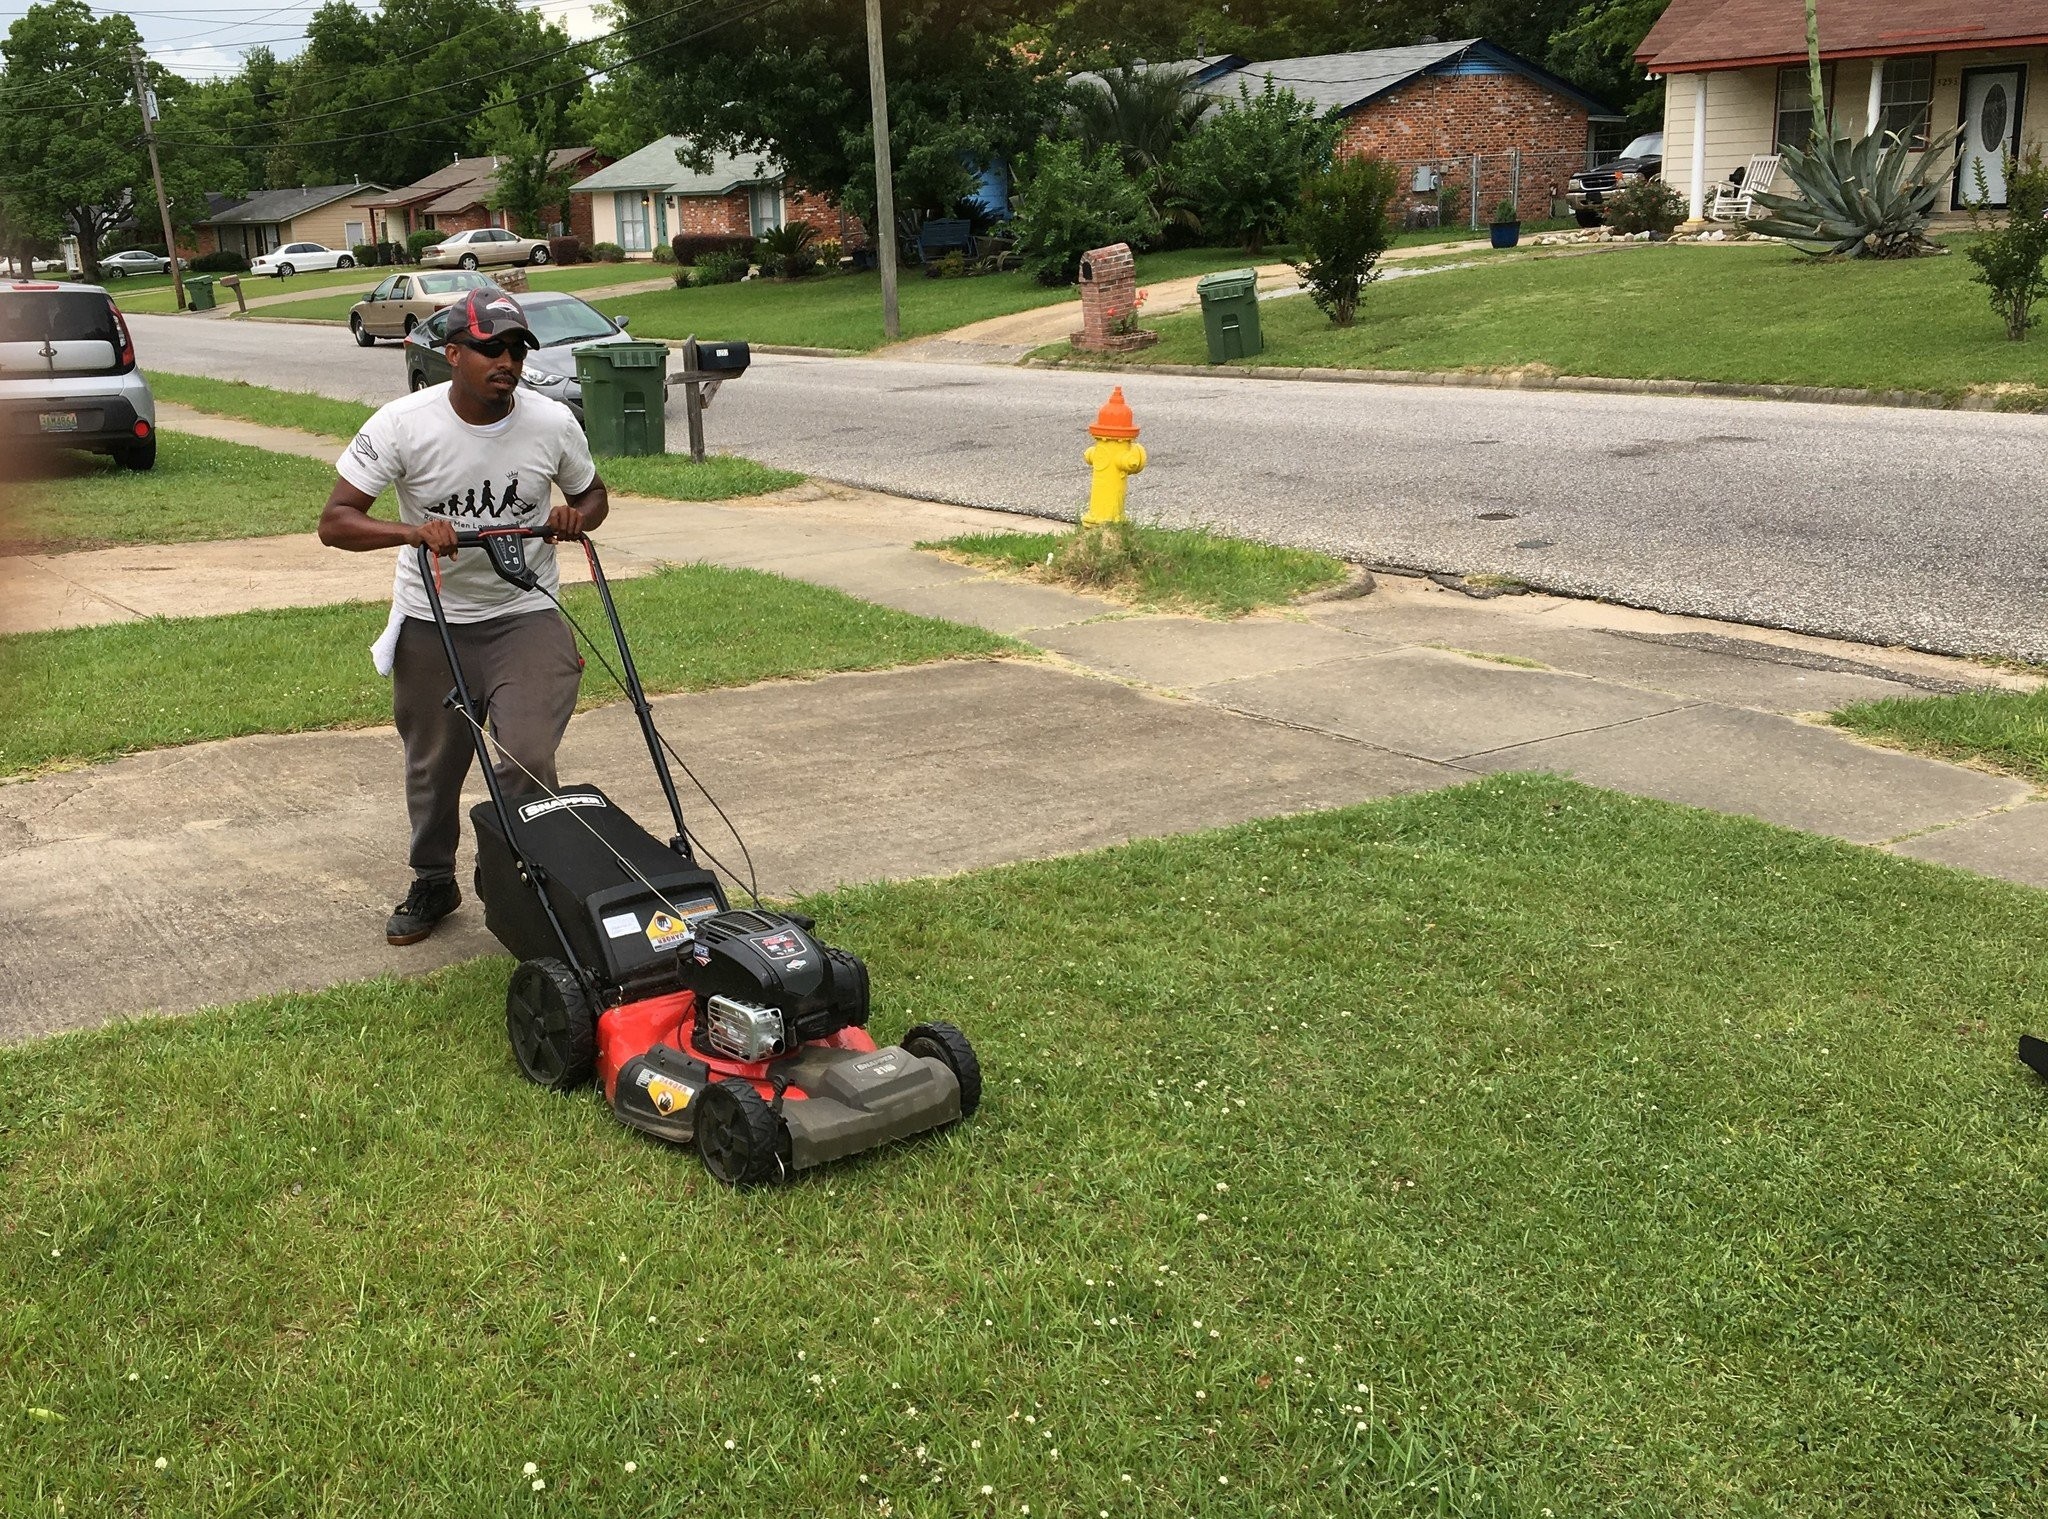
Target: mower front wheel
x,y
552,1025
947,1045
739,1137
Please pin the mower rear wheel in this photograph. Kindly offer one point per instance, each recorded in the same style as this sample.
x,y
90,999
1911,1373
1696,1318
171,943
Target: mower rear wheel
x,y
739,1138
552,1025
945,1043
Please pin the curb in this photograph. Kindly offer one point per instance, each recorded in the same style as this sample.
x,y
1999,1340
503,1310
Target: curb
x,y
1824,395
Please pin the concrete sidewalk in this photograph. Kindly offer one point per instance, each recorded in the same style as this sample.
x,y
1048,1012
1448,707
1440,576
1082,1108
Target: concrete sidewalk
x,y
183,877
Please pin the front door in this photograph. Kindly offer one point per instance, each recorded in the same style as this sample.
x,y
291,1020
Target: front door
x,y
1992,100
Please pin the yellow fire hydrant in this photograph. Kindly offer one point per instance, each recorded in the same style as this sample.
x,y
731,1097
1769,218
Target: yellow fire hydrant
x,y
1114,457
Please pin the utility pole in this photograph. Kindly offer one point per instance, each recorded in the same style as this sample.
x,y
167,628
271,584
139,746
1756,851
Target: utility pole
x,y
147,103
885,189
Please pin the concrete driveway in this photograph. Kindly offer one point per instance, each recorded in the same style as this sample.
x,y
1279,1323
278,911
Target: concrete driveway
x,y
1885,525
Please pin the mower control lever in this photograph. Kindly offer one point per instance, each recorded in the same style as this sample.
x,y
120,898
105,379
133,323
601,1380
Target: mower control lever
x,y
504,545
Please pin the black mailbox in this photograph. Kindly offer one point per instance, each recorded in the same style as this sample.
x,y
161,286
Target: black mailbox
x,y
724,359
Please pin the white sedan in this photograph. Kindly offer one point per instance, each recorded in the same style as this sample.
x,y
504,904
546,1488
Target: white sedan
x,y
297,258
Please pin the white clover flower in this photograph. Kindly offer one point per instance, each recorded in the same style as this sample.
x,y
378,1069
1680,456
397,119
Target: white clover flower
x,y
974,1445
622,1257
163,1463
987,1490
1198,1323
539,1484
632,1467
1223,1186
528,1470
135,1376
1225,1481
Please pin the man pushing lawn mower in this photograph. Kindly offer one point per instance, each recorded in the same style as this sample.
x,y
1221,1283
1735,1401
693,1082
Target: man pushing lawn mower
x,y
735,1031
478,452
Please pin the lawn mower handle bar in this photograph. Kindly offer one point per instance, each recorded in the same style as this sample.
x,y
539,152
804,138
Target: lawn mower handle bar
x,y
430,580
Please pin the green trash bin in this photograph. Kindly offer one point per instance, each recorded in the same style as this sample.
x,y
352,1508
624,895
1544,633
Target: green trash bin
x,y
1230,313
199,292
625,392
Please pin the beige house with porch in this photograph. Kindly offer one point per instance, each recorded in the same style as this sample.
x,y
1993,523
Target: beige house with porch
x,y
1736,84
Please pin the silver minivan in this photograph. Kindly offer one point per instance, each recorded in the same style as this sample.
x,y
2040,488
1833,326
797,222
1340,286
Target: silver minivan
x,y
68,377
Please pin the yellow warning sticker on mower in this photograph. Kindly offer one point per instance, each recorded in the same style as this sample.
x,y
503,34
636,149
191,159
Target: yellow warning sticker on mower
x,y
667,1096
666,932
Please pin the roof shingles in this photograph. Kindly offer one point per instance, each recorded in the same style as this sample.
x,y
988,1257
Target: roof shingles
x,y
1705,34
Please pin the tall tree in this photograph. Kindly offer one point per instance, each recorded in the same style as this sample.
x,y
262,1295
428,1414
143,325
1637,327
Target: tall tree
x,y
71,128
1596,50
791,79
528,183
389,96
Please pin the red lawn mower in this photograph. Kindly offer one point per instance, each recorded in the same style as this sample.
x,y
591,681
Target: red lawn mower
x,y
734,1030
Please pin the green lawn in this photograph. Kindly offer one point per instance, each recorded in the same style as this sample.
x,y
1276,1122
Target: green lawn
x,y
200,489
845,310
154,295
298,409
1506,1149
1173,569
85,694
336,307
2005,730
1739,314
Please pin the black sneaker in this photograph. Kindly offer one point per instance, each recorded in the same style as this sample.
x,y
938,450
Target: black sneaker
x,y
425,905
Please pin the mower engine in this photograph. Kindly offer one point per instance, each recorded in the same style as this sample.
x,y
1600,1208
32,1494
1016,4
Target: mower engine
x,y
764,986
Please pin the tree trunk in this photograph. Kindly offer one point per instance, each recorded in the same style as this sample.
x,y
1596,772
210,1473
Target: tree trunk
x,y
85,228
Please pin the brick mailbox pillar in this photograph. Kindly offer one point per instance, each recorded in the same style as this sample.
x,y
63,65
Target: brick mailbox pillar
x,y
1109,302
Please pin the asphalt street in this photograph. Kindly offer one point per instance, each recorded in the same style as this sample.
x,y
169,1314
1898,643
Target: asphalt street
x,y
1887,525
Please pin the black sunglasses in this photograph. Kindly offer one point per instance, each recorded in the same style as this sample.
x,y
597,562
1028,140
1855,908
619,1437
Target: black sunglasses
x,y
494,348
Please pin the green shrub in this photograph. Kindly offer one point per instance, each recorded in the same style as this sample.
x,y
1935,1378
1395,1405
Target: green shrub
x,y
2009,258
1507,212
719,267
1648,205
1341,229
1240,175
1068,203
664,254
220,261
830,252
367,255
608,253
418,242
788,252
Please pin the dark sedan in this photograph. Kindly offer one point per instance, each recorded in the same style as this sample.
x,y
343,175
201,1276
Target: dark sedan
x,y
1589,189
561,322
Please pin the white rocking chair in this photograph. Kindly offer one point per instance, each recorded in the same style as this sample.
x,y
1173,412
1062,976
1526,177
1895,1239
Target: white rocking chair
x,y
1732,203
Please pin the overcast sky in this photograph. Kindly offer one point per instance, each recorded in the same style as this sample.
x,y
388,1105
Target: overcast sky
x,y
204,39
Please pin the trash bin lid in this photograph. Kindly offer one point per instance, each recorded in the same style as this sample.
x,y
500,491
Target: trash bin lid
x,y
628,355
1226,283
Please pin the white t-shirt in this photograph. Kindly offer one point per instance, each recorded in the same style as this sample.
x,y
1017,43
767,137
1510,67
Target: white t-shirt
x,y
501,475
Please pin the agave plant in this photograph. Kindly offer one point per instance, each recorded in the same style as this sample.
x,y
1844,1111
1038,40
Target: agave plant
x,y
1863,197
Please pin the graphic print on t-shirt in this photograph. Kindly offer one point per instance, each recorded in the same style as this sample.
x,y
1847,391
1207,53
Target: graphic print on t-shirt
x,y
467,503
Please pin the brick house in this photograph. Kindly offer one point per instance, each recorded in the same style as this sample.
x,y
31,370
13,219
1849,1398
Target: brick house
x,y
265,221
453,200
650,196
1737,85
1432,108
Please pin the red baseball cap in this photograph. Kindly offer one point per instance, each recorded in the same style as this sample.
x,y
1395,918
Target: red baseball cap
x,y
486,314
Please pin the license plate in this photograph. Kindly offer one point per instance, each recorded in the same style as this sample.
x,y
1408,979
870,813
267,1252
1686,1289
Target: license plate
x,y
60,421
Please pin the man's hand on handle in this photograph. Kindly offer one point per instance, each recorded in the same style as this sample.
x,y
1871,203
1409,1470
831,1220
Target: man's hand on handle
x,y
565,521
436,534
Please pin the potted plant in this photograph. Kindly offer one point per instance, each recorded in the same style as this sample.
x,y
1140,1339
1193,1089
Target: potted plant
x,y
1506,226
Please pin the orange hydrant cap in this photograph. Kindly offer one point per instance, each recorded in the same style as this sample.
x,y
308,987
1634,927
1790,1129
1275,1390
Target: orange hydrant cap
x,y
1115,419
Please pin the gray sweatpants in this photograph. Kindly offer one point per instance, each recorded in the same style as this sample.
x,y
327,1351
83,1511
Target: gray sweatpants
x,y
524,672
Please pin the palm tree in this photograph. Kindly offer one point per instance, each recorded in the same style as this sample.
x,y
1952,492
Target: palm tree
x,y
1143,112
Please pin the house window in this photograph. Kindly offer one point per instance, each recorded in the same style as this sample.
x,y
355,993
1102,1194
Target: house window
x,y
764,209
1907,90
631,208
1795,105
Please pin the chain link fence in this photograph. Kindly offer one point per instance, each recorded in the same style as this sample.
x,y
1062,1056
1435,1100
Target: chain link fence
x,y
1464,189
